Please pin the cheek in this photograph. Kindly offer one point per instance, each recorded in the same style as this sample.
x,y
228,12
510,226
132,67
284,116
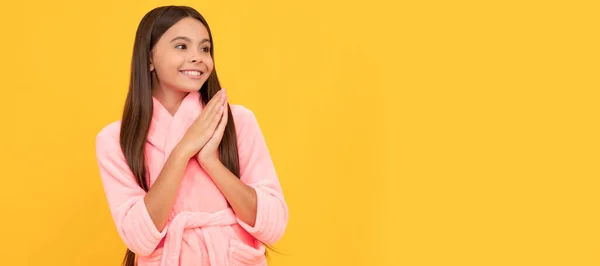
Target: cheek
x,y
169,66
209,64
175,62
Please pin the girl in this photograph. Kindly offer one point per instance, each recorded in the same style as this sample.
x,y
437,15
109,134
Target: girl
x,y
188,177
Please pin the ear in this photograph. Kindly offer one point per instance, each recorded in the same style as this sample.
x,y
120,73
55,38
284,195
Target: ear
x,y
151,62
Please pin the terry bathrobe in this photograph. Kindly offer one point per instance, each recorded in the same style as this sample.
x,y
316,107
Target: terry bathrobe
x,y
202,229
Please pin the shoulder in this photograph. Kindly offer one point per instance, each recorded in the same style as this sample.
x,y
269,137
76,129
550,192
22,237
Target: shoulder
x,y
242,115
246,123
241,111
109,135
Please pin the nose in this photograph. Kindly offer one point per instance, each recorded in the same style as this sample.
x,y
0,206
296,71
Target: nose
x,y
196,58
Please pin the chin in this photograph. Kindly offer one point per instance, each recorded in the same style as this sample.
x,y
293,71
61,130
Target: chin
x,y
190,87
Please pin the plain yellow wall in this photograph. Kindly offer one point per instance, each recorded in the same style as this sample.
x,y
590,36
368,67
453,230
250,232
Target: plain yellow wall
x,y
414,133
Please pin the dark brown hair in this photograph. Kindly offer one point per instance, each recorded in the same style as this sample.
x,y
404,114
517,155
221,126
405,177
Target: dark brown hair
x,y
138,105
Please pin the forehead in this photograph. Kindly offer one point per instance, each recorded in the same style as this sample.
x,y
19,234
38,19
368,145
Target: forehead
x,y
187,27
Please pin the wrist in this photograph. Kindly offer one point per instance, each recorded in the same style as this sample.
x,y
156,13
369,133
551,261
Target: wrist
x,y
209,164
180,153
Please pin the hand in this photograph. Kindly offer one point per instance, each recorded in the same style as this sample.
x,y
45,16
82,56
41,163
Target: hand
x,y
208,153
201,131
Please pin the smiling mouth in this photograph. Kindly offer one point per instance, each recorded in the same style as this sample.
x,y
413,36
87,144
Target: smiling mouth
x,y
192,73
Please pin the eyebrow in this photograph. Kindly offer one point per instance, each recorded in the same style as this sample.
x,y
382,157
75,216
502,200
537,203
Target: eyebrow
x,y
188,39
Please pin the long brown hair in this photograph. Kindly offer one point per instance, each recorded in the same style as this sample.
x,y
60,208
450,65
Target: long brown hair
x,y
137,113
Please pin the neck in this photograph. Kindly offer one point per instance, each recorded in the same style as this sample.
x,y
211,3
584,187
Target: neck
x,y
169,98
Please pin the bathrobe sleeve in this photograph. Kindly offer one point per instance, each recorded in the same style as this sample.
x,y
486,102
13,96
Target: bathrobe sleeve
x,y
125,198
257,171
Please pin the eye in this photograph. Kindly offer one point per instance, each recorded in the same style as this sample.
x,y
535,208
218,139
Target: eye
x,y
180,46
206,49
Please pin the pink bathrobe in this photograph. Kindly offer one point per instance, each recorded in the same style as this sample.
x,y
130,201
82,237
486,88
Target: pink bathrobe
x,y
202,229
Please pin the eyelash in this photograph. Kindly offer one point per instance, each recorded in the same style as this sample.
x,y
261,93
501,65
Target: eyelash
x,y
205,49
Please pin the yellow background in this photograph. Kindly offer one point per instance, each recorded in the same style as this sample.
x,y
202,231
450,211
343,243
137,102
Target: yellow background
x,y
410,133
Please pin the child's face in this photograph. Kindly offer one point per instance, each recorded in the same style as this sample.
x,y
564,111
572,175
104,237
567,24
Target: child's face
x,y
181,58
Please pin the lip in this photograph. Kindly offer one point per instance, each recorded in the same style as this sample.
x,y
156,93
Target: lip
x,y
182,71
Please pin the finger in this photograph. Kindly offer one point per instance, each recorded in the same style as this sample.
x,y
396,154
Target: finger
x,y
213,101
218,96
222,124
225,114
214,120
212,107
218,99
224,98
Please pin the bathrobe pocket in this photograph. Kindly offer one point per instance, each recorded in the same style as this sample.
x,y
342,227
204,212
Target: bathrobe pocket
x,y
241,254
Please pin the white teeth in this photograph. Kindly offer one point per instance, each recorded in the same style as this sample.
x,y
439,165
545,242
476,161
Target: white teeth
x,y
192,73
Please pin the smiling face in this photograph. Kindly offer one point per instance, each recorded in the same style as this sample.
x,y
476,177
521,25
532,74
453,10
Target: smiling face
x,y
181,60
